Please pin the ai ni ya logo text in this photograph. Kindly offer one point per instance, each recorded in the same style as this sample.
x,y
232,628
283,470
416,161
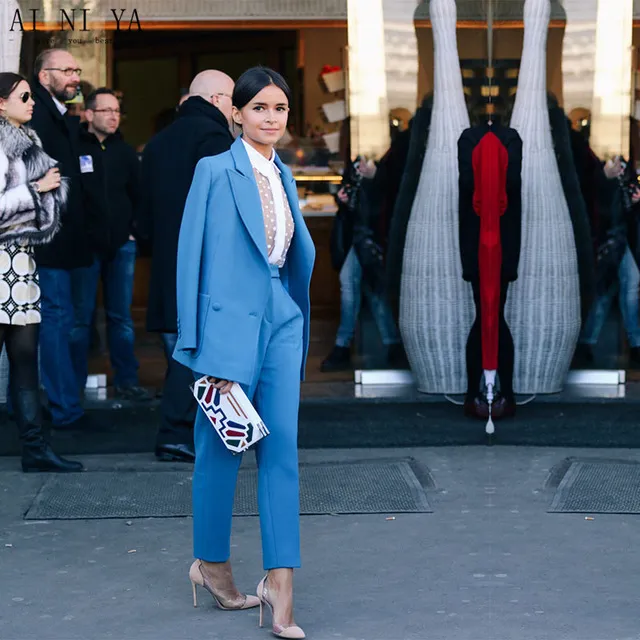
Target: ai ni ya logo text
x,y
74,20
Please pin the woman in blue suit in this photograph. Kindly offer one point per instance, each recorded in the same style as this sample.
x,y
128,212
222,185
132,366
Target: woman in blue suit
x,y
245,259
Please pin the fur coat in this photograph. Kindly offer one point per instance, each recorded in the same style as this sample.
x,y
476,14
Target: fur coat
x,y
26,216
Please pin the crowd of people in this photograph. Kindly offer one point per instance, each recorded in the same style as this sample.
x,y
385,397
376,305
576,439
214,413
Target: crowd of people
x,y
71,195
76,202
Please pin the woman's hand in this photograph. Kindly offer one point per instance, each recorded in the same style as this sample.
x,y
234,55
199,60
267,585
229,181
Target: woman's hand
x,y
223,385
50,181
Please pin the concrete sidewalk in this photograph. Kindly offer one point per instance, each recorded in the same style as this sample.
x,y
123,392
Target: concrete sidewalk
x,y
488,564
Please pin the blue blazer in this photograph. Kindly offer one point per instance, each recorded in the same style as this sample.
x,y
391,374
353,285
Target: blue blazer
x,y
223,273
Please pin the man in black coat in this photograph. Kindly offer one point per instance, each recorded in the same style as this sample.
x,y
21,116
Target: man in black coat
x,y
56,79
117,177
201,129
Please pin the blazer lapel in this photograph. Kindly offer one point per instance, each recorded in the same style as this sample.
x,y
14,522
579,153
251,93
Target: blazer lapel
x,y
247,198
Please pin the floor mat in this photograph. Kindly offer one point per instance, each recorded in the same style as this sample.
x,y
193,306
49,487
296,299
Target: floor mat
x,y
348,488
598,487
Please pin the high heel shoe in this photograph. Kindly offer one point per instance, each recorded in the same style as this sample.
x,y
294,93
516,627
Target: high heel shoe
x,y
292,632
197,578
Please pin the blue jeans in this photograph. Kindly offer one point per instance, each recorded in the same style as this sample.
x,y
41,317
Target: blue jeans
x,y
628,285
117,284
56,360
351,289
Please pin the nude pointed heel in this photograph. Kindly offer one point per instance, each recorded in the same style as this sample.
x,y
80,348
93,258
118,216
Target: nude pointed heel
x,y
293,632
197,579
195,596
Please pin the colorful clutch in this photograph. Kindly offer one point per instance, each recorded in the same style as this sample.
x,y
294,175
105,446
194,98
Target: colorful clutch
x,y
231,415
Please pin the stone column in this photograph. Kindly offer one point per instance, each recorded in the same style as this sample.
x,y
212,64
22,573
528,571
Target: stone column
x,y
436,304
543,305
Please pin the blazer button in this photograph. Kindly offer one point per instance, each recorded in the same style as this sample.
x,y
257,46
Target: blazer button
x,y
217,306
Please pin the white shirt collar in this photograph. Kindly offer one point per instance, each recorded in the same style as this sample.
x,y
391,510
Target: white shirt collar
x,y
259,162
61,107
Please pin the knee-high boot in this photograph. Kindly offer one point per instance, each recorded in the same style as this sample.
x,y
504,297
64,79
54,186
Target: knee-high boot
x,y
37,454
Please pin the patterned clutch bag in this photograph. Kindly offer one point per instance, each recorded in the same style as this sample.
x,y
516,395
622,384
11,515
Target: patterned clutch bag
x,y
231,415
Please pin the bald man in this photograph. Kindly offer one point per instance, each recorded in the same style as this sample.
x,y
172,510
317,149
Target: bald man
x,y
202,128
215,87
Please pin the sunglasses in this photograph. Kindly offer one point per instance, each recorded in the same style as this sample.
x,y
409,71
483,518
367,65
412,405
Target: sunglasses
x,y
24,97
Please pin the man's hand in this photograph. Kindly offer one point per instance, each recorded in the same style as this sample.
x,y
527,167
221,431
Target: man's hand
x,y
342,196
635,196
368,169
613,168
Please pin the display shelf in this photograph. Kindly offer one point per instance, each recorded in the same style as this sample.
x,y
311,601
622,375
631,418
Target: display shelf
x,y
316,191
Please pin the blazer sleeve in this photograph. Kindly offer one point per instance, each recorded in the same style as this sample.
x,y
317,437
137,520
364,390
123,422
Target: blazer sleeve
x,y
190,245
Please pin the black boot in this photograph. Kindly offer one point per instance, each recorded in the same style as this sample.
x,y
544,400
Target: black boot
x,y
37,454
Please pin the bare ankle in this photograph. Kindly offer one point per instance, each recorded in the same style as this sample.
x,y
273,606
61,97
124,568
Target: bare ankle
x,y
280,579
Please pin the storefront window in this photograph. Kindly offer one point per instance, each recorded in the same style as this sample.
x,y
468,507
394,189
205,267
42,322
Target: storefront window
x,y
392,84
414,86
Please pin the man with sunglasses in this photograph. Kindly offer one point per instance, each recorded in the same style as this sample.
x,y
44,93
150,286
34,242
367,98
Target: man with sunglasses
x,y
81,236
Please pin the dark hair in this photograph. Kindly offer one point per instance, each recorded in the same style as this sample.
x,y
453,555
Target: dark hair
x,y
91,100
253,81
86,88
8,82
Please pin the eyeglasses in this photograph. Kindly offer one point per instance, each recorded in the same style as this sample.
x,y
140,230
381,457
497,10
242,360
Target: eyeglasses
x,y
24,97
67,72
115,111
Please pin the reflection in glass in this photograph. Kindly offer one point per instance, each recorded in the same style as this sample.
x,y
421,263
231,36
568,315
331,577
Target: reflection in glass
x,y
368,104
612,82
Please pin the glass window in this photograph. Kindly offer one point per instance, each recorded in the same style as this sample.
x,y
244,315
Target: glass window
x,y
419,74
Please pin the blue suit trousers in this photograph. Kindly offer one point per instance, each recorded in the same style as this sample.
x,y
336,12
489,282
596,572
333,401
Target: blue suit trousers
x,y
275,392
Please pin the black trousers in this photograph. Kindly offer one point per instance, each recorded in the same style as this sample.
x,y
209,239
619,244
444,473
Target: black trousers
x,y
506,352
178,405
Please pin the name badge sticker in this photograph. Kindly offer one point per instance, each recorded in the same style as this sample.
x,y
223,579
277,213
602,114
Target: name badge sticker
x,y
86,164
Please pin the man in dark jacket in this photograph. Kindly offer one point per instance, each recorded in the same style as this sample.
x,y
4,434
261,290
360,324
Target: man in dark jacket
x,y
117,176
56,80
201,129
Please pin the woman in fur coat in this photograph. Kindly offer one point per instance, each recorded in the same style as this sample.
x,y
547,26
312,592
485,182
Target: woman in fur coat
x,y
32,194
